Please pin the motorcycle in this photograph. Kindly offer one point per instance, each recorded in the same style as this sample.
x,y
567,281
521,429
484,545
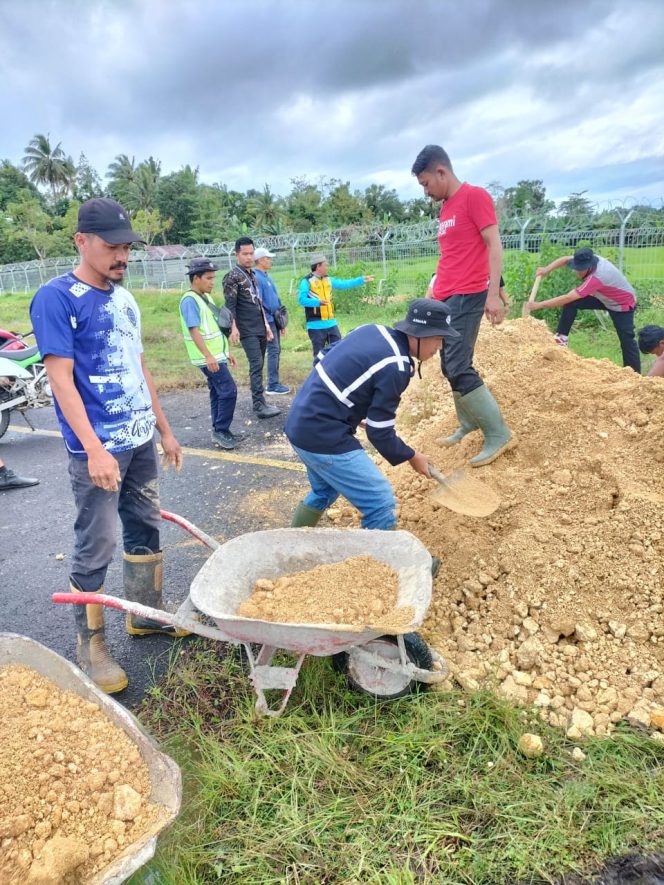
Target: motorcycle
x,y
23,379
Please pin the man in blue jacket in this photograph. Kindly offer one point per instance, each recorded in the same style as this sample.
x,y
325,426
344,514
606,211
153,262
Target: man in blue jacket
x,y
267,291
362,378
315,296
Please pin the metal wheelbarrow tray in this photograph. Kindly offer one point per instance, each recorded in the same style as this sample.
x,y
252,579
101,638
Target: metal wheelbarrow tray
x,y
386,666
165,778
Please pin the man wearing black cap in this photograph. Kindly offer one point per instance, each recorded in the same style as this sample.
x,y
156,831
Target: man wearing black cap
x,y
602,287
88,328
362,378
207,348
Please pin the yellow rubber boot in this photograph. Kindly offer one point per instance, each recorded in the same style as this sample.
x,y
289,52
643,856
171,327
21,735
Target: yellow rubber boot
x,y
143,576
93,657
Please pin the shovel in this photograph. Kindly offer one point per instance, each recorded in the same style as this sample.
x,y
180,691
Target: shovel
x,y
463,494
531,297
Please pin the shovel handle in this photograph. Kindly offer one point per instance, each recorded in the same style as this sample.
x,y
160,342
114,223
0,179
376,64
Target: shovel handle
x,y
437,475
533,293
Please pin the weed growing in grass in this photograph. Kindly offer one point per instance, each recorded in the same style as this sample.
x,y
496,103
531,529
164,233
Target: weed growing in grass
x,y
431,788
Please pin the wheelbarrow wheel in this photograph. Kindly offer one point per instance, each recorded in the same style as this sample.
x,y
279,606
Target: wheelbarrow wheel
x,y
378,681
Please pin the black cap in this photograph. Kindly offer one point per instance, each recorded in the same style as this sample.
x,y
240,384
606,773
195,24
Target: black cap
x,y
584,259
108,220
201,265
427,318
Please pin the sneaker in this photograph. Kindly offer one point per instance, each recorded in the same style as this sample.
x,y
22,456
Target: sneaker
x,y
563,340
277,390
11,480
224,439
266,411
238,436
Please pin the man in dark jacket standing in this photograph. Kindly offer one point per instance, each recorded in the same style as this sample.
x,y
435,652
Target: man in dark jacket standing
x,y
250,325
362,378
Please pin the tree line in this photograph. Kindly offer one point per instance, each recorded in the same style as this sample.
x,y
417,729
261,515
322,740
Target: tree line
x,y
39,203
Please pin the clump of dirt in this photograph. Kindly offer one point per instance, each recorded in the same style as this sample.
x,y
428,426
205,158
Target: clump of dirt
x,y
357,591
74,790
556,599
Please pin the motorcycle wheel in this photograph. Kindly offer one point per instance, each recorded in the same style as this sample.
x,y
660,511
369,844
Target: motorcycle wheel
x,y
4,422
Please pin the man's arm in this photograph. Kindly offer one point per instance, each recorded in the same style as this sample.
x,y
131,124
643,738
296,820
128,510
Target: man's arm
x,y
230,299
103,468
559,301
558,262
349,284
171,447
657,368
305,297
495,309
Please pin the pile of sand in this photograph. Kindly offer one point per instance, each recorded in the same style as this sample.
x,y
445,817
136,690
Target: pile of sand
x,y
556,599
357,591
74,790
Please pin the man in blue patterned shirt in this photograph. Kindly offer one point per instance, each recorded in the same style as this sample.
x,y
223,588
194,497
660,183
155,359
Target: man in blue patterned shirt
x,y
88,328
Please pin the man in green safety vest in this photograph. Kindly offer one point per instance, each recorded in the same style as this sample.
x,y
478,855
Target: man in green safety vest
x,y
207,347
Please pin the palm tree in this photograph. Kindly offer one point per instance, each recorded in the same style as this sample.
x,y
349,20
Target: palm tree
x,y
266,210
143,189
49,166
121,172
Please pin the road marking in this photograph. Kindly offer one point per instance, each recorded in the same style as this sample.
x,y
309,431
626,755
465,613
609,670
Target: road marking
x,y
203,453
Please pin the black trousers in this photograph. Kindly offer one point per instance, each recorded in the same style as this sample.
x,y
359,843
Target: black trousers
x,y
456,357
320,338
254,347
623,323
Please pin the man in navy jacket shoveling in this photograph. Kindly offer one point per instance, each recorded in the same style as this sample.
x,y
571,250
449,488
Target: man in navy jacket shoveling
x,y
362,378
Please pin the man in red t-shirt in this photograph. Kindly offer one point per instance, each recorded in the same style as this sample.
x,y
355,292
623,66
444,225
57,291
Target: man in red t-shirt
x,y
470,254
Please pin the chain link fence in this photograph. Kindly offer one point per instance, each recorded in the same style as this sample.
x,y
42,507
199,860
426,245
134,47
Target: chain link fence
x,y
402,257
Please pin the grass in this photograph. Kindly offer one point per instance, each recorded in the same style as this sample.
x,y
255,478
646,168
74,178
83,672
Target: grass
x,y
166,357
427,789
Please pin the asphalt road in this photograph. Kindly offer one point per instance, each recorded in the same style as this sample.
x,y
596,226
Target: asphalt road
x,y
225,494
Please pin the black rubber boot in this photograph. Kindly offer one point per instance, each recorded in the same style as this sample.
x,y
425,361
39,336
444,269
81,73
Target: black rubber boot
x,y
94,659
142,574
305,516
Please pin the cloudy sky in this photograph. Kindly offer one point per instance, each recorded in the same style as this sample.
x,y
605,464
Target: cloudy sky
x,y
256,91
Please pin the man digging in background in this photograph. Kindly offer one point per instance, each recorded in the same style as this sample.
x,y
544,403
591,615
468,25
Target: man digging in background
x,y
88,328
651,340
602,287
470,254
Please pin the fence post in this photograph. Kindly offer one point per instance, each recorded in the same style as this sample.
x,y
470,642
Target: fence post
x,y
522,237
621,238
334,252
293,246
230,260
383,240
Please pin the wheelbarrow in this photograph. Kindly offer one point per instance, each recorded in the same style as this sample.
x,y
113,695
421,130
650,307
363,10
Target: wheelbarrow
x,y
165,778
386,666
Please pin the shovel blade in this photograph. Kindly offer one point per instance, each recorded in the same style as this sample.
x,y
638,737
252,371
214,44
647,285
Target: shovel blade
x,y
466,495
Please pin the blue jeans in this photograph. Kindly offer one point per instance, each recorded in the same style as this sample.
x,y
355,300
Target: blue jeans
x,y
223,396
273,356
355,476
456,357
136,503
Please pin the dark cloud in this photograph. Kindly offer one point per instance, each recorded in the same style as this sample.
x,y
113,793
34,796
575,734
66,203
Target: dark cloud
x,y
262,90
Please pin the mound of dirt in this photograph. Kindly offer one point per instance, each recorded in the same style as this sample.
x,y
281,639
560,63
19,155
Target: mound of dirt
x,y
556,599
74,790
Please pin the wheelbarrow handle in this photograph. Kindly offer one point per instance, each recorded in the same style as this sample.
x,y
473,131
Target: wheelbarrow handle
x,y
193,530
141,611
